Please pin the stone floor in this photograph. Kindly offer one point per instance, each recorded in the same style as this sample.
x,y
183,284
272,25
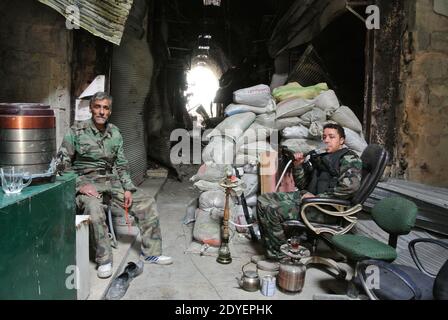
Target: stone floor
x,y
195,276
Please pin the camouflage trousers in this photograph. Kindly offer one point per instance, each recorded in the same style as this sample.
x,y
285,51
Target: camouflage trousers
x,y
275,208
143,209
272,210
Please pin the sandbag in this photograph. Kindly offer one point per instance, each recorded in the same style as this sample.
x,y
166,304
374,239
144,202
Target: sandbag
x,y
251,181
232,109
283,123
233,126
278,79
315,115
252,169
346,118
295,90
257,96
245,159
354,141
203,185
256,132
294,107
327,101
295,132
239,218
206,229
301,145
220,150
251,201
255,148
213,202
210,172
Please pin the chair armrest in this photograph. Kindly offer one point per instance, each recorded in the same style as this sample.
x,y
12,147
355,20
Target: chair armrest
x,y
342,209
319,200
413,252
400,274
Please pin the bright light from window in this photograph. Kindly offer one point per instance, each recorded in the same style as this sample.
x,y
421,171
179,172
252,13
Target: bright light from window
x,y
202,87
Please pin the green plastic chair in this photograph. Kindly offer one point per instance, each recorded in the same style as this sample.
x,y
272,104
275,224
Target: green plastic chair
x,y
396,216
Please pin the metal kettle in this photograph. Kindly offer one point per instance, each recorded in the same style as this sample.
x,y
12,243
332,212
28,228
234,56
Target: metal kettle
x,y
291,276
249,281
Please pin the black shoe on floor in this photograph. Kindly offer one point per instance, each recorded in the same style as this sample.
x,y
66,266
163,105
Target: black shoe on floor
x,y
134,269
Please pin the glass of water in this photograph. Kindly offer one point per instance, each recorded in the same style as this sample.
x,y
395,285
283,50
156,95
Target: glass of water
x,y
14,179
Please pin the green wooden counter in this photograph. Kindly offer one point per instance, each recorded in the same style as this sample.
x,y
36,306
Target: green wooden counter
x,y
37,241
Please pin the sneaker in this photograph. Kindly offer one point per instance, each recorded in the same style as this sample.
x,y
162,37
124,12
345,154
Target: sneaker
x,y
157,259
104,270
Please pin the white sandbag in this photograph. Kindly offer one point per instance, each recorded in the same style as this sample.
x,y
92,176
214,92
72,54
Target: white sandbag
x,y
210,172
251,201
255,148
327,101
315,115
206,229
239,218
266,120
346,118
294,107
232,109
233,126
301,145
251,181
203,185
278,79
295,132
269,120
220,150
354,141
283,123
257,96
252,169
256,132
214,202
245,159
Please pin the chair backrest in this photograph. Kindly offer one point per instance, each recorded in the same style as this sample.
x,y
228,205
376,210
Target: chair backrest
x,y
374,161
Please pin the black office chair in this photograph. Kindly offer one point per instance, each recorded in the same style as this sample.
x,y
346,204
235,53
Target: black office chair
x,y
374,159
400,282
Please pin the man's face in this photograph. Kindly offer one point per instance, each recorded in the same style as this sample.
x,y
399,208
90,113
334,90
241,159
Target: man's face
x,y
100,111
333,141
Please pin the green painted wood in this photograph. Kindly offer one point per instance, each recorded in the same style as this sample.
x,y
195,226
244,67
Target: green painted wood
x,y
38,241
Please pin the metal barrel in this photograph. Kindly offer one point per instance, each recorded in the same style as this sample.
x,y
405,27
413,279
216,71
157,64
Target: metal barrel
x,y
27,136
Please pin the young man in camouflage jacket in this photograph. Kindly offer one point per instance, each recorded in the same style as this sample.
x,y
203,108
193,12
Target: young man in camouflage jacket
x,y
275,208
94,150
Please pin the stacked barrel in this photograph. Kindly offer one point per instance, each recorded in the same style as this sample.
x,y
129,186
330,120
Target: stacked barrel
x,y
27,136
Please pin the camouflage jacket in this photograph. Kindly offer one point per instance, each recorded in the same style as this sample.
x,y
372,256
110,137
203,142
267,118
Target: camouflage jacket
x,y
90,153
349,180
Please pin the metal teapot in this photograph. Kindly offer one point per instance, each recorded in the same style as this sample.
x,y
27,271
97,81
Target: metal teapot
x,y
249,281
291,276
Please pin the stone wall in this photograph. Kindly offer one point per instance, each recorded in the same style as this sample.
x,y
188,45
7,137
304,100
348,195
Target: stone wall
x,y
35,58
422,118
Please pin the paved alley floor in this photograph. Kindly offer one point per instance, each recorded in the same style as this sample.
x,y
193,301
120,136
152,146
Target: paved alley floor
x,y
193,276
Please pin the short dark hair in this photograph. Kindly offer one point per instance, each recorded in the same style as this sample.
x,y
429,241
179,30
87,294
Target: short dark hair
x,y
337,127
100,96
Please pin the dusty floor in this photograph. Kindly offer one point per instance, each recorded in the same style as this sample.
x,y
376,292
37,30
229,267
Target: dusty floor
x,y
193,276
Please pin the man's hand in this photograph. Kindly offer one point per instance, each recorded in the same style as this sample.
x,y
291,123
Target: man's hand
x,y
298,159
89,190
308,195
127,199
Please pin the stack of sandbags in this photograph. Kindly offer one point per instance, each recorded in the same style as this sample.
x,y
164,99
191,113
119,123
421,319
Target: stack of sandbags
x,y
255,99
308,111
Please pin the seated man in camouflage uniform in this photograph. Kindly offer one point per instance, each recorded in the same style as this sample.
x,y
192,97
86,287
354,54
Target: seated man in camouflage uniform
x,y
341,181
94,150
